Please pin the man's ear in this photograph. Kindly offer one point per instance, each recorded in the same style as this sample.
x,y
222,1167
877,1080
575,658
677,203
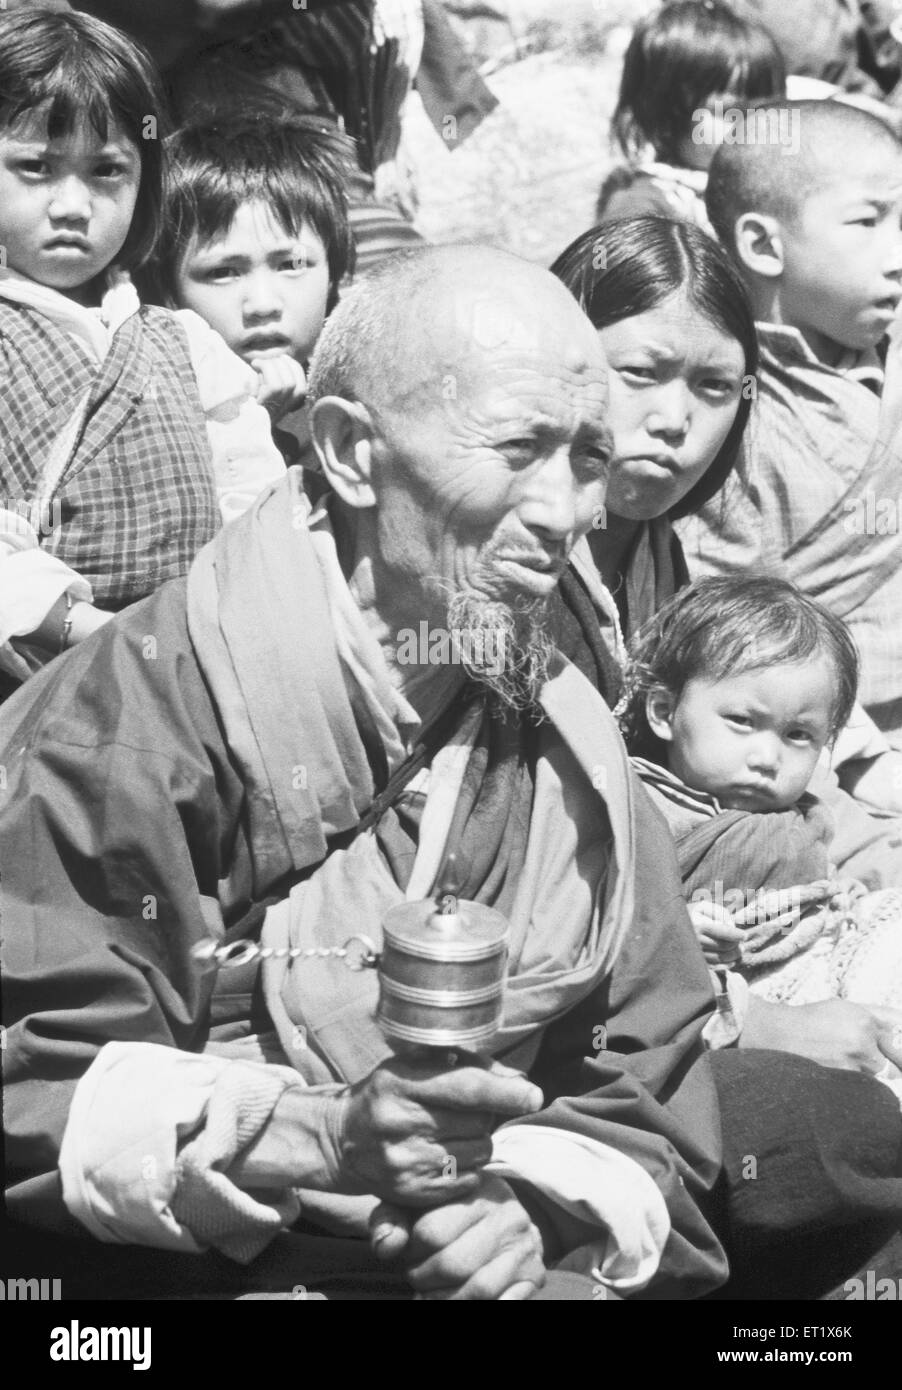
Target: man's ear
x,y
759,244
659,710
342,433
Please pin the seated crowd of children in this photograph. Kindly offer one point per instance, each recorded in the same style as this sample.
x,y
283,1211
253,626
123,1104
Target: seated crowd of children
x,y
161,295
805,196
131,432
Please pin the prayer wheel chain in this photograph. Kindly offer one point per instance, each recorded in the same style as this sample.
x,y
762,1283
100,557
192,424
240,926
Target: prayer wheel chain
x,y
358,953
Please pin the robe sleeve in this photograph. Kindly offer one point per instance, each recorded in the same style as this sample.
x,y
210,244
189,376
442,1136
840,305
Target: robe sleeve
x,y
99,921
627,1069
151,1134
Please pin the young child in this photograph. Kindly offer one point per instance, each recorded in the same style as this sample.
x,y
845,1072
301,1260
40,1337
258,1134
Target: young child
x,y
735,688
127,433
682,60
817,238
258,240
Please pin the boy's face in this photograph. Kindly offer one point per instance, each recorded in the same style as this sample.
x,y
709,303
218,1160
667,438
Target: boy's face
x,y
66,204
263,289
842,256
751,740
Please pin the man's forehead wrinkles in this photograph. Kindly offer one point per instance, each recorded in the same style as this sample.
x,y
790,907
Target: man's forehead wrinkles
x,y
583,358
541,401
511,386
537,358
529,370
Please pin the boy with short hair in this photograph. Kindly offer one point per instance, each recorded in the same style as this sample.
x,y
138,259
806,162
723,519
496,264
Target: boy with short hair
x,y
817,237
257,242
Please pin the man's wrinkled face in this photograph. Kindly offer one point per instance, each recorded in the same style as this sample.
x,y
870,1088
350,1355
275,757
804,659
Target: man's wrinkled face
x,y
487,475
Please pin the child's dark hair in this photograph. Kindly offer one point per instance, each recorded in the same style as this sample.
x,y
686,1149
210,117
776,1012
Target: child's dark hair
x,y
630,266
723,626
73,68
680,56
297,165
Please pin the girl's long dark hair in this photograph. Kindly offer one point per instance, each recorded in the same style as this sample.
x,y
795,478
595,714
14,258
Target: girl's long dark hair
x,y
628,267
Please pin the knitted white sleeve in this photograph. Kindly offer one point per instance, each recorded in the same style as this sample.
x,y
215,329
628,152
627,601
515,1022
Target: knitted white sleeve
x,y
150,1136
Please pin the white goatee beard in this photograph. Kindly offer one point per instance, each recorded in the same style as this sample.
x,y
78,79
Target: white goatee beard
x,y
505,647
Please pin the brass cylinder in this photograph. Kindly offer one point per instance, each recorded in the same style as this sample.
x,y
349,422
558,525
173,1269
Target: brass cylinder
x,y
441,975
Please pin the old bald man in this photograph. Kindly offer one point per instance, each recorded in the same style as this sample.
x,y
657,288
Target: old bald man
x,y
282,747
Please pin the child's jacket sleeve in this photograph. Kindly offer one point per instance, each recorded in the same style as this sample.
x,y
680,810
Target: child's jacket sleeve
x,y
31,581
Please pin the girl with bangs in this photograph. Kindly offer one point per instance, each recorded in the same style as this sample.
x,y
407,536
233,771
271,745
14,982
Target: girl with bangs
x,y
686,64
127,433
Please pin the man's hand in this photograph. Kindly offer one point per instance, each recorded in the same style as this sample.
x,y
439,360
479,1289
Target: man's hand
x,y
717,933
482,1247
836,1033
282,387
417,1133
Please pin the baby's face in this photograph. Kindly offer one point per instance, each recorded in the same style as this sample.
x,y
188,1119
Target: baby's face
x,y
842,276
753,740
263,289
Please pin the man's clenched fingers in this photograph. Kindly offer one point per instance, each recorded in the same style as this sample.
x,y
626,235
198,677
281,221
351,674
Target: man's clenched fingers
x,y
470,1088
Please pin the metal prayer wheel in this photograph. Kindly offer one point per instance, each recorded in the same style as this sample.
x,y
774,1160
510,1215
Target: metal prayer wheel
x,y
442,971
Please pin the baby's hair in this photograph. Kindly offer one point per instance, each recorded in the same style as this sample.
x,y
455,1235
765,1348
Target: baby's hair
x,y
296,165
723,626
680,56
631,265
756,177
69,68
